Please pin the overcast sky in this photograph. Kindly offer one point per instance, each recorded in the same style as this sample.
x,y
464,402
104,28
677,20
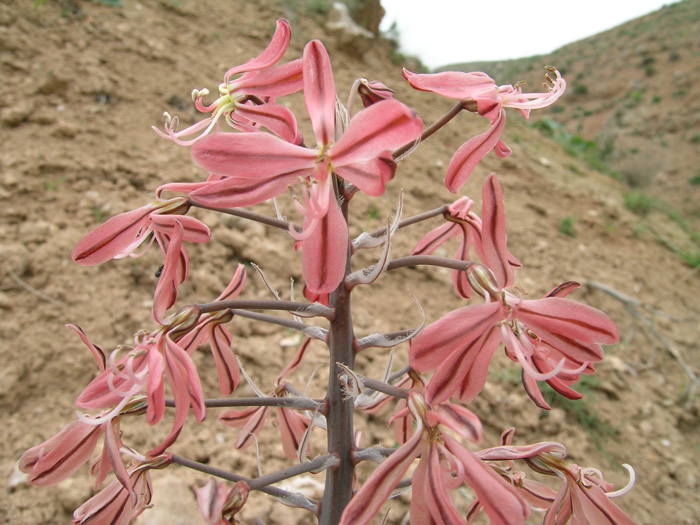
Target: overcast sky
x,y
444,32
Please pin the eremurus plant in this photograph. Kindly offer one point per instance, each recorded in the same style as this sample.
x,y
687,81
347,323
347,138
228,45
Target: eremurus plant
x,y
260,156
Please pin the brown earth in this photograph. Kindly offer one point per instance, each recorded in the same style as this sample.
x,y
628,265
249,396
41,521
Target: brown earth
x,y
83,84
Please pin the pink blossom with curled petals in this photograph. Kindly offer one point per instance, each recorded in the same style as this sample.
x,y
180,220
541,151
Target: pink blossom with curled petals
x,y
583,496
489,100
62,455
259,80
258,166
144,368
123,234
161,221
459,346
444,465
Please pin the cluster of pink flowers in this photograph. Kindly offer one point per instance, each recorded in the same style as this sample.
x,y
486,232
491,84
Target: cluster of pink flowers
x,y
553,339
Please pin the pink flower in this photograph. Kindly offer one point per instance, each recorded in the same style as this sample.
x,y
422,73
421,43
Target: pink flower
x,y
258,79
59,457
584,496
543,335
459,346
489,101
218,503
145,367
258,166
444,465
117,505
123,234
487,236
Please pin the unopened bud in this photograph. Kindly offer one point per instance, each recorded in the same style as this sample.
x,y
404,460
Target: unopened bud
x,y
373,92
236,499
183,321
482,281
136,406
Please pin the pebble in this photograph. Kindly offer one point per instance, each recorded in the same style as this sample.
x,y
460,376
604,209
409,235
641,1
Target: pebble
x,y
5,301
17,114
36,231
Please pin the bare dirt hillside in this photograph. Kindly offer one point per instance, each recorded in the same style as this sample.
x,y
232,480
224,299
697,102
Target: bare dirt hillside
x,y
84,82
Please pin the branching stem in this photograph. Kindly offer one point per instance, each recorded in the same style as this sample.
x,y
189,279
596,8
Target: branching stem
x,y
428,260
312,331
263,483
385,388
252,216
413,220
315,309
298,403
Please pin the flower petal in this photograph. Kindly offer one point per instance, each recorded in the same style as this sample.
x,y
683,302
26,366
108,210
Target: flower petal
x,y
454,331
382,127
432,240
370,176
292,429
226,364
471,152
271,54
172,275
319,91
59,457
193,230
375,491
250,155
325,251
500,501
465,369
451,84
234,192
273,82
112,238
461,420
441,507
493,233
274,117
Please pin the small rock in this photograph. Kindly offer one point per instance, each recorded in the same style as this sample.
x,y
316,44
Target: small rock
x,y
54,85
174,502
15,257
65,130
5,301
17,114
348,34
36,231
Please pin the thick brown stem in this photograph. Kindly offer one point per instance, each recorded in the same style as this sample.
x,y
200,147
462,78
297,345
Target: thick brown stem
x,y
339,415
